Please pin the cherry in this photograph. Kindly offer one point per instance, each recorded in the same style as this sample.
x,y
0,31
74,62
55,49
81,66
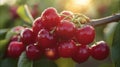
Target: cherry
x,y
27,36
15,38
35,11
82,54
33,52
67,48
50,18
65,29
15,49
13,12
17,29
100,51
37,26
85,35
52,53
45,39
66,15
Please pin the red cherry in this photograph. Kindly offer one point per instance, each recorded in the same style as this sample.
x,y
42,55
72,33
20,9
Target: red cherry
x,y
100,51
65,29
27,36
82,54
45,39
85,35
15,38
67,48
17,29
35,11
52,53
33,52
50,18
67,14
15,49
37,26
13,12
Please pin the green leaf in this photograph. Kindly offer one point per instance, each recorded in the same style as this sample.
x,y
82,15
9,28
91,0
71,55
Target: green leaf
x,y
65,62
10,34
4,16
2,33
24,13
115,49
109,32
24,61
8,62
3,47
44,62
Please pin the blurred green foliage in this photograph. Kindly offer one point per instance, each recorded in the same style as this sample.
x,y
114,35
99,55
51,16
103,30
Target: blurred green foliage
x,y
101,8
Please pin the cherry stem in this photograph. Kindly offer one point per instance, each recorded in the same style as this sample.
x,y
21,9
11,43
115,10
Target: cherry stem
x,y
28,13
66,17
95,42
105,20
53,30
18,38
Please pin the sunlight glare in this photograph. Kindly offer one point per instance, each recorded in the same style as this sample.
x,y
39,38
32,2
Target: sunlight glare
x,y
81,2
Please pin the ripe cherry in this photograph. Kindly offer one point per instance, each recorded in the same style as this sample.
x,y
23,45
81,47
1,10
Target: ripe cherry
x,y
35,10
27,36
13,12
82,54
45,39
66,15
85,35
52,53
37,26
65,29
33,52
100,51
15,38
15,49
50,18
17,29
67,48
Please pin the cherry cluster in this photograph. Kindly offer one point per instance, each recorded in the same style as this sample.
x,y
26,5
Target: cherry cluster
x,y
56,35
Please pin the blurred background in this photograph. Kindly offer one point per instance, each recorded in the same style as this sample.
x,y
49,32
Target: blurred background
x,y
9,17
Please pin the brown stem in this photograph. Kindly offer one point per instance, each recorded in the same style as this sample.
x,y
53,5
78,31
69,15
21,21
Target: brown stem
x,y
105,20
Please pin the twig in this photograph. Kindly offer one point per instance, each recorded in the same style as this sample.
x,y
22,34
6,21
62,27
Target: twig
x,y
105,20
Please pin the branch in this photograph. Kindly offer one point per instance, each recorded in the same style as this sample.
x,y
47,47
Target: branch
x,y
105,20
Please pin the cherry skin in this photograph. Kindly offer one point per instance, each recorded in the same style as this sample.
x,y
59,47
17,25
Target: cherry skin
x,y
85,35
37,26
50,18
100,51
65,29
67,48
15,38
52,53
17,29
82,54
33,52
66,15
15,49
45,39
27,36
